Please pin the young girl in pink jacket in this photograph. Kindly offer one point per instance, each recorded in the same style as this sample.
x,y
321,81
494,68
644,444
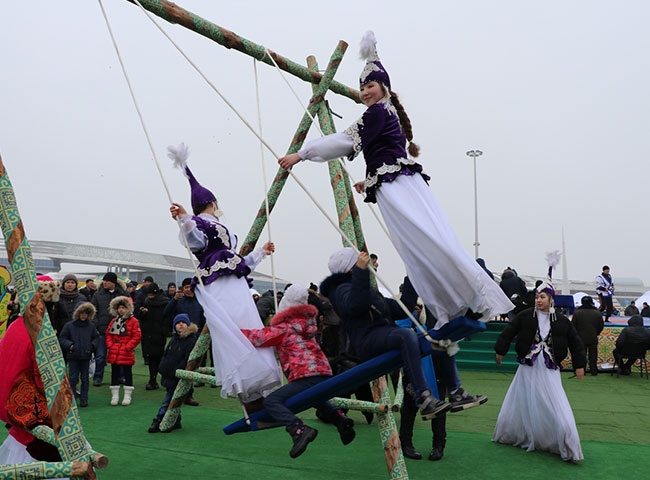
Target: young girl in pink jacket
x,y
292,332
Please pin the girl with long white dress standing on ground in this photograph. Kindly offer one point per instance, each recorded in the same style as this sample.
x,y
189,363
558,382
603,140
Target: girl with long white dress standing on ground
x,y
536,414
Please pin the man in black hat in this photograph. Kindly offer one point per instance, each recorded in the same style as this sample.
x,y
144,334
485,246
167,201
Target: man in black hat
x,y
589,323
101,300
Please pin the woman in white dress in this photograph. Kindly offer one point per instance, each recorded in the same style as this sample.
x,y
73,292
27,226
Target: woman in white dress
x,y
536,414
241,369
444,274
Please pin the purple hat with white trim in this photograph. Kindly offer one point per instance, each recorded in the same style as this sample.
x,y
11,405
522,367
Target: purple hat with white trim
x,y
199,194
552,259
374,71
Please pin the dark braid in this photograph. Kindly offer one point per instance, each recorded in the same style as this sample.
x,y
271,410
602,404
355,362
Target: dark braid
x,y
413,149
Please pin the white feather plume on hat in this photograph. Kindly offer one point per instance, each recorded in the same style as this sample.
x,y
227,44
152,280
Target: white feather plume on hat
x,y
179,155
368,47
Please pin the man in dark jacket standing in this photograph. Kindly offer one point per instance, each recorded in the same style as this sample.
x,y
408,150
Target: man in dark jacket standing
x,y
101,301
589,323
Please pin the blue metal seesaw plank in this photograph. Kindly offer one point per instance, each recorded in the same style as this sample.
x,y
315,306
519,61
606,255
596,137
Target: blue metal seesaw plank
x,y
455,330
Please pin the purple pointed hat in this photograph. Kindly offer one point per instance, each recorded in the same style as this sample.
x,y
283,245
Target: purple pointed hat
x,y
374,71
199,194
552,259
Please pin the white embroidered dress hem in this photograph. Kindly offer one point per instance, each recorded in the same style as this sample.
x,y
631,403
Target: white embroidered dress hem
x,y
444,274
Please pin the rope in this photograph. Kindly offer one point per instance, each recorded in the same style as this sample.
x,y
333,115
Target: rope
x,y
148,137
340,160
277,157
266,188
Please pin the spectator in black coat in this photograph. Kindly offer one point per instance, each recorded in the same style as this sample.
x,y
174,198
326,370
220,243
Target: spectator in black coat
x,y
634,334
175,357
589,323
79,339
515,289
69,296
89,290
155,330
645,311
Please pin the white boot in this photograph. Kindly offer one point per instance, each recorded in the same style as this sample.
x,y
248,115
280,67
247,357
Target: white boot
x,y
127,395
115,394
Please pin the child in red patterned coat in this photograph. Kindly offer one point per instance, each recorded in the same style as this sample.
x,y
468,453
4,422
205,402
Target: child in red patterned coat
x,y
293,332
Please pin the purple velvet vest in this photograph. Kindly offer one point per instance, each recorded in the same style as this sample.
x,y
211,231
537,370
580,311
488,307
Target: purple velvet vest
x,y
218,258
379,135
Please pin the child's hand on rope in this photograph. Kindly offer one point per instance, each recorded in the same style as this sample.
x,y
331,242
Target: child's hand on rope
x,y
269,248
177,210
289,161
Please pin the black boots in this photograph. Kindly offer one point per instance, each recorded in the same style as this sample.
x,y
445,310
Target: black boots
x,y
410,451
436,453
155,426
302,436
345,426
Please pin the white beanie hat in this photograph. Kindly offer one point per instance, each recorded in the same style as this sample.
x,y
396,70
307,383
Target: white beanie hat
x,y
294,295
343,260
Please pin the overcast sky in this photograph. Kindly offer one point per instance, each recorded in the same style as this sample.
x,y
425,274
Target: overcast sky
x,y
554,93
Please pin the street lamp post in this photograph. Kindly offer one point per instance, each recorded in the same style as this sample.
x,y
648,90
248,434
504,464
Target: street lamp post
x,y
474,154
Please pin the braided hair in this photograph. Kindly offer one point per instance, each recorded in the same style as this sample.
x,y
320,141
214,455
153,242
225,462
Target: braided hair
x,y
413,148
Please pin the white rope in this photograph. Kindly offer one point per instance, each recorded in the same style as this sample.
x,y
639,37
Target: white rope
x,y
266,188
297,180
148,137
340,160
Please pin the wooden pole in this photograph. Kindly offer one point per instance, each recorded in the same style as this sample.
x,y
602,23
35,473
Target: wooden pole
x,y
172,13
66,425
349,220
388,432
297,141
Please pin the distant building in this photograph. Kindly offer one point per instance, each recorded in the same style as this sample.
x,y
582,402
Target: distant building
x,y
50,256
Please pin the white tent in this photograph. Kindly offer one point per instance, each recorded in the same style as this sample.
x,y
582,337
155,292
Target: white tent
x,y
643,298
577,299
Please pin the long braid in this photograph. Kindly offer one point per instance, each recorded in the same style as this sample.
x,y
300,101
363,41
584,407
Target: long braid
x,y
413,149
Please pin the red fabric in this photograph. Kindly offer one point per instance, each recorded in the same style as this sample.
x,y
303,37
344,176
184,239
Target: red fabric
x,y
121,348
293,333
21,379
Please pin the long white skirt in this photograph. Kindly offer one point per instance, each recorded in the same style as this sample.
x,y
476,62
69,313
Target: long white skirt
x,y
536,414
240,368
444,274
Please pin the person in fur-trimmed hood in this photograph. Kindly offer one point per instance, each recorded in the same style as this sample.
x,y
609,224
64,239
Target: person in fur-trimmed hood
x,y
122,336
79,339
293,332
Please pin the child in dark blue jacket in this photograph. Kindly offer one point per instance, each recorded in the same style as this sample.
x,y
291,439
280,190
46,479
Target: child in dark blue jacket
x,y
79,339
176,355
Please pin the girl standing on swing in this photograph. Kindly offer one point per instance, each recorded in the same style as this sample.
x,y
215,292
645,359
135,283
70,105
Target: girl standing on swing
x,y
223,292
447,278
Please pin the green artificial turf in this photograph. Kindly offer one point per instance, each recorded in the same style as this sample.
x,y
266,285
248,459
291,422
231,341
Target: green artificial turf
x,y
611,414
